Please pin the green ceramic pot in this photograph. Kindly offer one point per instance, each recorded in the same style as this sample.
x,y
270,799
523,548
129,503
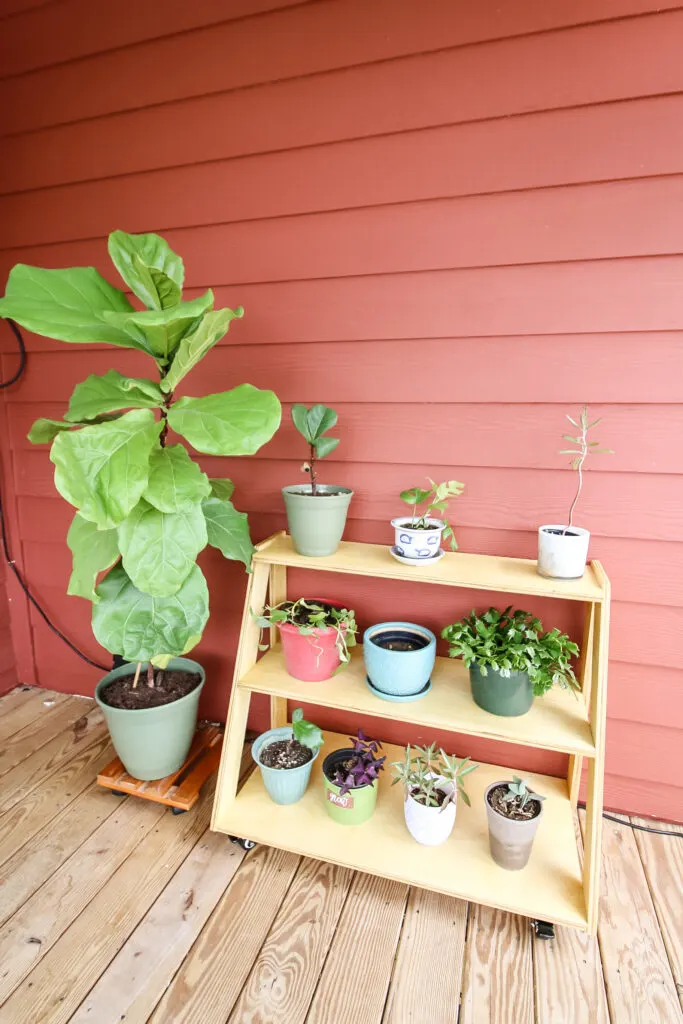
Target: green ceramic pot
x,y
153,742
316,524
354,807
283,785
508,696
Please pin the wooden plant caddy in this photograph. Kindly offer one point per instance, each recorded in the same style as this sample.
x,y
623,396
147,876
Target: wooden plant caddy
x,y
179,791
555,886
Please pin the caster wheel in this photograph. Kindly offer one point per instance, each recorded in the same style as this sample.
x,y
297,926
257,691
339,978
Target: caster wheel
x,y
543,929
178,810
117,792
246,844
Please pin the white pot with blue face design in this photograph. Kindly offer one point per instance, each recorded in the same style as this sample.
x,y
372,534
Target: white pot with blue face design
x,y
417,545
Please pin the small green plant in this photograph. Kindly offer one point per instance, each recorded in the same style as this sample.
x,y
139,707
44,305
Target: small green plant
x,y
312,424
308,616
426,773
580,453
518,794
437,498
509,642
305,733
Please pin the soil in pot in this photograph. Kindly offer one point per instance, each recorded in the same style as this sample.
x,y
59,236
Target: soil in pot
x,y
169,685
329,492
562,533
531,809
440,795
399,642
285,754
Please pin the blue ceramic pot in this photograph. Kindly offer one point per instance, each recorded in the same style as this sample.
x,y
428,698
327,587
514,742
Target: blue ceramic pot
x,y
399,657
284,785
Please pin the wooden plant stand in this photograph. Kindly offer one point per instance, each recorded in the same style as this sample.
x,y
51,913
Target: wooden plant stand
x,y
179,791
555,887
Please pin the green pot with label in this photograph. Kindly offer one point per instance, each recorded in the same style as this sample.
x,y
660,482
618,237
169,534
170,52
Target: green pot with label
x,y
353,807
508,696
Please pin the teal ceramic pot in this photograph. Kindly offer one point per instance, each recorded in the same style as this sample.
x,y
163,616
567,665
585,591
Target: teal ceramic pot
x,y
399,657
316,523
153,742
283,785
508,696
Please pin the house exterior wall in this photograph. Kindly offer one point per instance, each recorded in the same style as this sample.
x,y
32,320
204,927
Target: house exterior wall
x,y
451,222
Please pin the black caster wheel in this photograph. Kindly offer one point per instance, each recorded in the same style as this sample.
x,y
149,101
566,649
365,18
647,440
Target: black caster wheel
x,y
543,929
117,792
178,810
246,844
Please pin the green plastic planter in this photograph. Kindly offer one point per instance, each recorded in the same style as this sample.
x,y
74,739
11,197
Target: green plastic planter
x,y
153,742
316,524
283,785
508,696
354,807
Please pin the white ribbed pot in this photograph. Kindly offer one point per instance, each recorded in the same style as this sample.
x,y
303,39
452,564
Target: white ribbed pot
x,y
562,556
430,826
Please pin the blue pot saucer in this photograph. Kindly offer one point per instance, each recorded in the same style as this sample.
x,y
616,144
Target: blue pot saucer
x,y
399,698
417,561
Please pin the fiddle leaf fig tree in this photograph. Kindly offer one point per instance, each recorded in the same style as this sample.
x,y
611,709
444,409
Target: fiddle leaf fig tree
x,y
144,507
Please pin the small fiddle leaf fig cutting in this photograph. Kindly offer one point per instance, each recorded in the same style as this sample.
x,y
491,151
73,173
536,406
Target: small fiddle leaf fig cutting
x,y
144,508
306,733
580,452
437,498
312,424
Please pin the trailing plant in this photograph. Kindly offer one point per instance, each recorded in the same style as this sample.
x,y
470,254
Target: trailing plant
x,y
427,773
437,498
309,616
518,794
363,768
305,733
144,508
509,642
312,424
580,453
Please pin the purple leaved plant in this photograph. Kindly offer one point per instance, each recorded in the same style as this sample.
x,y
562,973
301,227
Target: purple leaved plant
x,y
366,768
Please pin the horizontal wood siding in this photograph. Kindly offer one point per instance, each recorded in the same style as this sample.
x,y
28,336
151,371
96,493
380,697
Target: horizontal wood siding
x,y
454,227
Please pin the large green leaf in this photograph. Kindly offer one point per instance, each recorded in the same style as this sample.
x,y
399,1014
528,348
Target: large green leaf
x,y
140,627
43,431
176,483
70,305
161,330
93,550
149,267
160,548
103,469
236,422
197,343
228,530
109,392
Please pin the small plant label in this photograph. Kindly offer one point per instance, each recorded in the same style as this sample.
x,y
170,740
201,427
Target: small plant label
x,y
345,801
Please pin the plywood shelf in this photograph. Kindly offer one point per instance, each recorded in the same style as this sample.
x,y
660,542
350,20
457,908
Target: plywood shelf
x,y
455,569
550,887
558,721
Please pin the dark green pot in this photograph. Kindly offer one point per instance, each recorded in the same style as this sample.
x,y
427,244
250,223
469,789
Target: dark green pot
x,y
508,696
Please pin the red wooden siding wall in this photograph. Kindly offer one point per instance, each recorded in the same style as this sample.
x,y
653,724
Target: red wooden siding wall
x,y
451,221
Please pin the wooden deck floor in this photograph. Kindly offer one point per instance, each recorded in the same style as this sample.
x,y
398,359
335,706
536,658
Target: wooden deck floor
x,y
112,909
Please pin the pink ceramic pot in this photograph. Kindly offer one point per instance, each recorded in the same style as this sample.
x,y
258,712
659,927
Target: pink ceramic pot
x,y
311,657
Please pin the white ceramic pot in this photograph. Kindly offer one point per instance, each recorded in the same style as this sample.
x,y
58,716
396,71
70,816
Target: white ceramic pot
x,y
417,544
562,556
430,826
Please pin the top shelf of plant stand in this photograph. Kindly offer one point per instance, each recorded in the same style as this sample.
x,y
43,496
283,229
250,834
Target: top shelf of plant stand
x,y
455,569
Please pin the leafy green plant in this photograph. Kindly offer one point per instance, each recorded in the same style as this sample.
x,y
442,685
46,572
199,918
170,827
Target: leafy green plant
x,y
509,642
580,453
144,508
312,424
309,616
437,498
518,794
427,773
306,733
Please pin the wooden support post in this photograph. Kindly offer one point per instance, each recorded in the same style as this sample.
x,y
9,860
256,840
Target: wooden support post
x,y
575,760
277,592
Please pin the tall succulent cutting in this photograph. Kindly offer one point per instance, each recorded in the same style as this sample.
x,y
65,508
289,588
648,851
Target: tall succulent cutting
x,y
144,508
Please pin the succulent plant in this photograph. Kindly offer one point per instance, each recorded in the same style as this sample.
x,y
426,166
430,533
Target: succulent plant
x,y
427,772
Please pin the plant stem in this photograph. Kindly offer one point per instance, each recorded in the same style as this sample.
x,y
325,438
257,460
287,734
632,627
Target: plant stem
x,y
150,675
314,478
576,496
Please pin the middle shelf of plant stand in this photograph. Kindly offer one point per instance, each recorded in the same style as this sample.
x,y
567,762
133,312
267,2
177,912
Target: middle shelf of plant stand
x,y
558,721
550,887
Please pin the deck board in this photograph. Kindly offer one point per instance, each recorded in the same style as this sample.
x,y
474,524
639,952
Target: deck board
x,y
148,917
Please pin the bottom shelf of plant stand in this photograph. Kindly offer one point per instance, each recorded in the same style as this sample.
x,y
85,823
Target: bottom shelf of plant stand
x,y
549,888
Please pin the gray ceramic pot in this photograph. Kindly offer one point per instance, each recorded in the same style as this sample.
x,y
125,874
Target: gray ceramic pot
x,y
316,523
510,841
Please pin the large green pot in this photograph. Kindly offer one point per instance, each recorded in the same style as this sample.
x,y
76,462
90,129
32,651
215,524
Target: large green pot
x,y
509,696
153,742
354,807
283,785
316,523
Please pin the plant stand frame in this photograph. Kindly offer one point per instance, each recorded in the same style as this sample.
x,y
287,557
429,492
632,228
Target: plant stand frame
x,y
555,887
